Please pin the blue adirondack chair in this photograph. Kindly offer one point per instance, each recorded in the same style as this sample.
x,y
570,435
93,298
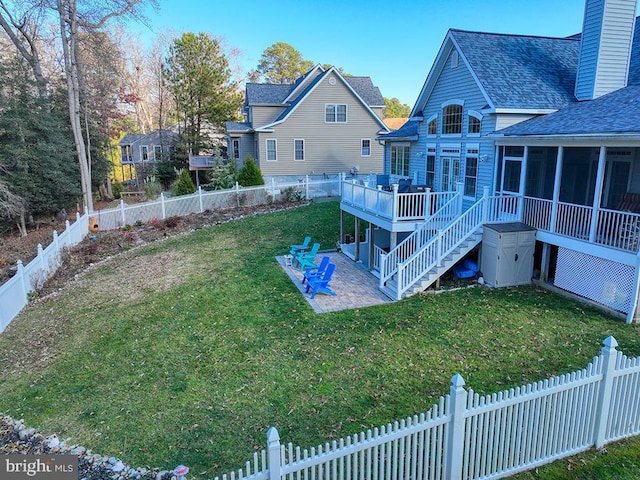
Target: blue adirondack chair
x,y
306,259
295,249
311,272
321,284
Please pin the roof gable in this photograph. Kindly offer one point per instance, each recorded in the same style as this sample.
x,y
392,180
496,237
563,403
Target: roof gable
x,y
361,87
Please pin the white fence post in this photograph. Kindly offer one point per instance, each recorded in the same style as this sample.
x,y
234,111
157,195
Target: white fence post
x,y
200,199
306,187
163,207
455,446
124,220
25,288
394,212
273,445
485,206
608,357
273,188
237,194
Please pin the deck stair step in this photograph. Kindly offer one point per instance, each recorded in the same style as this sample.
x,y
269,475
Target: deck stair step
x,y
391,286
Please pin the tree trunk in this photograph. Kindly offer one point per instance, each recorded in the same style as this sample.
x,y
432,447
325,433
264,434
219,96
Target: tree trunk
x,y
68,34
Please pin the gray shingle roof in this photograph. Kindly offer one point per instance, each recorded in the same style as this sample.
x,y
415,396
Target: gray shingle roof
x,y
267,93
237,127
520,71
274,94
365,88
615,113
407,131
634,66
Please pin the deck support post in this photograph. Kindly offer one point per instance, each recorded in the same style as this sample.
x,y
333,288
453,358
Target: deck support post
x,y
371,247
357,236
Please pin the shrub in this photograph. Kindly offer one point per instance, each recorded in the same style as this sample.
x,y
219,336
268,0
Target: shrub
x,y
250,174
152,189
184,185
292,194
172,222
117,188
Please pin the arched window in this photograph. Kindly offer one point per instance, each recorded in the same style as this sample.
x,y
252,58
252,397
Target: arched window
x,y
432,125
475,122
452,119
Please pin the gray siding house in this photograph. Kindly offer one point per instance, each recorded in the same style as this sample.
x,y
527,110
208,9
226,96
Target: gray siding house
x,y
144,148
322,124
533,132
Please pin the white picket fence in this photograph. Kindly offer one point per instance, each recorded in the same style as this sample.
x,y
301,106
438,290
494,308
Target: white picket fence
x,y
202,200
14,294
468,436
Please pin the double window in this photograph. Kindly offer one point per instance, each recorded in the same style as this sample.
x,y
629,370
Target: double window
x,y
365,147
272,150
298,150
400,160
335,113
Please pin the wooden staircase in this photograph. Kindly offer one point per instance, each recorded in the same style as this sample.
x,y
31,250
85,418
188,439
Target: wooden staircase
x,y
391,286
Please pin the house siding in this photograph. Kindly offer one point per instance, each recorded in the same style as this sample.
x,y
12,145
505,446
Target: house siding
x,y
452,84
264,115
605,48
330,148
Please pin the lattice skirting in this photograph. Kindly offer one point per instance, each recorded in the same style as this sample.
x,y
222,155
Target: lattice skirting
x,y
603,281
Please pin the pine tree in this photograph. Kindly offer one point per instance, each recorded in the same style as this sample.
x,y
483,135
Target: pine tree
x,y
184,185
250,174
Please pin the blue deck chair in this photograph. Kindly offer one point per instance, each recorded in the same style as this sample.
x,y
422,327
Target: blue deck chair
x,y
294,249
307,259
321,284
311,272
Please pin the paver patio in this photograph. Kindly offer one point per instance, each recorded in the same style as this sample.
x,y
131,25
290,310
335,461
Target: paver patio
x,y
355,287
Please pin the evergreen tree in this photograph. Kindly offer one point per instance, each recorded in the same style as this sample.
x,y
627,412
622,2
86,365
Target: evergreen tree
x,y
184,185
282,63
35,144
198,75
250,174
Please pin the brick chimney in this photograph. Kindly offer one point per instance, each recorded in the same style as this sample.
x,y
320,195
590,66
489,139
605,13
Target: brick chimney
x,y
605,49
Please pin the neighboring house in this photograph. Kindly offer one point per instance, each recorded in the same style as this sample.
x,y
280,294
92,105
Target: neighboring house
x,y
144,148
322,124
530,131
394,123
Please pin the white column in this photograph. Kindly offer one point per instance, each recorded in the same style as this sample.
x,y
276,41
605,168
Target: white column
x,y
597,195
523,181
556,189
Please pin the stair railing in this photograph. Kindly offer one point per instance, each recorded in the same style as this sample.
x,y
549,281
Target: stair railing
x,y
442,244
447,206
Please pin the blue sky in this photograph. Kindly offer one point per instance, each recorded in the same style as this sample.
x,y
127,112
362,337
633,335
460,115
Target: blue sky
x,y
394,43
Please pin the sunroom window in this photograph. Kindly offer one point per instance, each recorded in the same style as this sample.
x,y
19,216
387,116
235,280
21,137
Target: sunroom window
x,y
452,120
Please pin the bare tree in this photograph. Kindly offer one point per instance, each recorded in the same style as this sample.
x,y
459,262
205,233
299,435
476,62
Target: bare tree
x,y
12,207
89,17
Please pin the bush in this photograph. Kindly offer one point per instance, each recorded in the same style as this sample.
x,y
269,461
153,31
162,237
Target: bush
x,y
292,194
152,189
250,174
184,185
117,188
223,175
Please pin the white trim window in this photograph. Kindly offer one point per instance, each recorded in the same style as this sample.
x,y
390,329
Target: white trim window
x,y
126,153
430,167
365,147
335,113
474,124
235,143
298,150
144,153
432,125
452,119
272,150
471,172
400,160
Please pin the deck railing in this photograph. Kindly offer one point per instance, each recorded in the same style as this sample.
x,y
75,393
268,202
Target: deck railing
x,y
390,205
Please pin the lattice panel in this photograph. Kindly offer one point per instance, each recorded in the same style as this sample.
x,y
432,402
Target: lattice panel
x,y
603,281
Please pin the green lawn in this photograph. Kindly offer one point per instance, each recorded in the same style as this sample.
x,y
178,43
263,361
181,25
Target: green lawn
x,y
187,350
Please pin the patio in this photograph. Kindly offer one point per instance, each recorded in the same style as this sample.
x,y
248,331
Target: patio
x,y
355,287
